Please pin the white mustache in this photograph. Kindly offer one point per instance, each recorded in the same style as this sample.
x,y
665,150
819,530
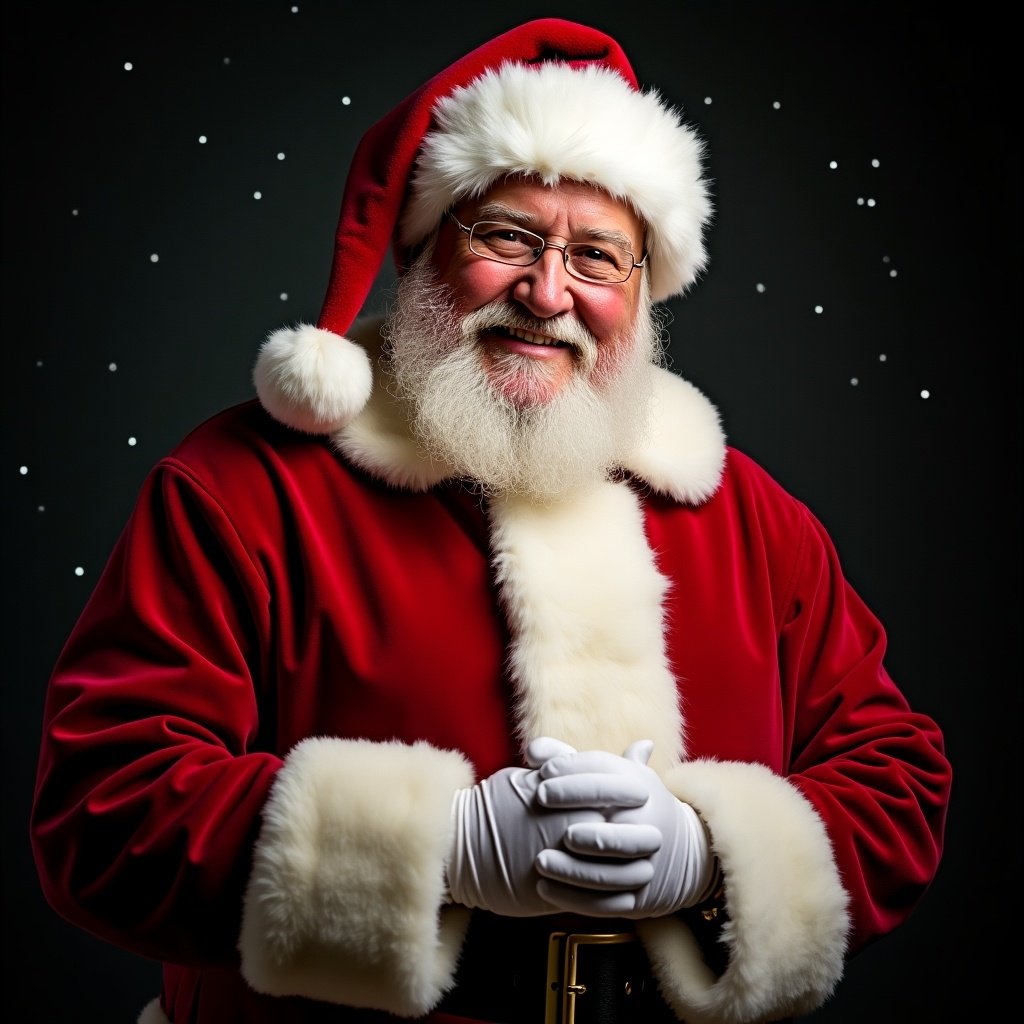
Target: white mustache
x,y
564,328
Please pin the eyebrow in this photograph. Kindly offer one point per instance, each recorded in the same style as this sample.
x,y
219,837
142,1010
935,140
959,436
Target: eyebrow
x,y
499,211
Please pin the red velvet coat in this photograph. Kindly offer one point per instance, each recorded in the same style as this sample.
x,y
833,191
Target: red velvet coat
x,y
300,648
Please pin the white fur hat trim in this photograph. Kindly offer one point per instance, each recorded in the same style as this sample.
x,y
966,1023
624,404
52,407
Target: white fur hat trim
x,y
556,121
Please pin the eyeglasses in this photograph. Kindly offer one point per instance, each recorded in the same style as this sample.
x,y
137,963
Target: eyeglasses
x,y
606,263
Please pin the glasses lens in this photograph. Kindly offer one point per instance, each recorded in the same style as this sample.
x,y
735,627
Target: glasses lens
x,y
606,264
505,242
508,243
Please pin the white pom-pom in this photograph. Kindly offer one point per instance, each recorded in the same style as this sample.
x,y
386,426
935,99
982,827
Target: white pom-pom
x,y
312,380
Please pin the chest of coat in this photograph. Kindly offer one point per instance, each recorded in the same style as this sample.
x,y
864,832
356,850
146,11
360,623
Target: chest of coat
x,y
478,629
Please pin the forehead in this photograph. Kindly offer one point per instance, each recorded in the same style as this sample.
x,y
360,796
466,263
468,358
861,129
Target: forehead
x,y
575,205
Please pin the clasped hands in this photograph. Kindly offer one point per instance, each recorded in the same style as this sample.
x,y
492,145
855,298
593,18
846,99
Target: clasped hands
x,y
588,832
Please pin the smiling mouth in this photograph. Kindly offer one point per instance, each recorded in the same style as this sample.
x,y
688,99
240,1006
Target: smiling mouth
x,y
532,339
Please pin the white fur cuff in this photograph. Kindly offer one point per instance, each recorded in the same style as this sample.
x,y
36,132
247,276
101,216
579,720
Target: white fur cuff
x,y
787,919
344,899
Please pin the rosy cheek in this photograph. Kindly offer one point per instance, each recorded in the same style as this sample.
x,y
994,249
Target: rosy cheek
x,y
478,282
608,318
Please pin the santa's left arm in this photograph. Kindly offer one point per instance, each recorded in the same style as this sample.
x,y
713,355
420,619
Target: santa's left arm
x,y
827,856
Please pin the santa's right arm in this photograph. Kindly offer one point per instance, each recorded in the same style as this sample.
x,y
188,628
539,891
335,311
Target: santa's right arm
x,y
159,824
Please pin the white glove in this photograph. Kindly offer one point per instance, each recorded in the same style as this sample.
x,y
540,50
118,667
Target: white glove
x,y
641,858
499,829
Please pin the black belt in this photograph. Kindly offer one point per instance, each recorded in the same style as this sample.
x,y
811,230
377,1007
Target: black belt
x,y
555,970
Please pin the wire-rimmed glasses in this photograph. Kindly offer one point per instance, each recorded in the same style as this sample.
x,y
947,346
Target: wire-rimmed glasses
x,y
595,262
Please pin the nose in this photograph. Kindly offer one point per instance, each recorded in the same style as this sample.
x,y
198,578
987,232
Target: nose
x,y
545,287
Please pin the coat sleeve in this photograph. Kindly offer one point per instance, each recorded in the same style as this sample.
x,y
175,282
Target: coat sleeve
x,y
163,814
873,769
833,851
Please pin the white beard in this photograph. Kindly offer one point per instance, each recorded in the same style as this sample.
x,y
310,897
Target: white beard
x,y
460,416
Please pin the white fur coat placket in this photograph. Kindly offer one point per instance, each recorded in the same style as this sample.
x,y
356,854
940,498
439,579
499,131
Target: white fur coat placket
x,y
583,598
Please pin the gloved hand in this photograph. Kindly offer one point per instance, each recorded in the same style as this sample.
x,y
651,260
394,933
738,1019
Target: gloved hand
x,y
646,856
500,828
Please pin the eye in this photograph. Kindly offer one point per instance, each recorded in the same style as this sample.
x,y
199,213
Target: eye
x,y
592,254
506,236
592,259
505,242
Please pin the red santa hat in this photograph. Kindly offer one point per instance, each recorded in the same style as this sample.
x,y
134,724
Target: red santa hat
x,y
552,99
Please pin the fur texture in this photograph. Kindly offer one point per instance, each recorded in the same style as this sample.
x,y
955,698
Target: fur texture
x,y
554,122
786,904
311,379
342,904
587,658
685,454
682,456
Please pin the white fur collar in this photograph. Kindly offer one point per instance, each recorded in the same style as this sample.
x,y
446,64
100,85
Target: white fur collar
x,y
682,457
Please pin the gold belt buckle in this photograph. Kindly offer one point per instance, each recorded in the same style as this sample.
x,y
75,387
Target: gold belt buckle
x,y
563,960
